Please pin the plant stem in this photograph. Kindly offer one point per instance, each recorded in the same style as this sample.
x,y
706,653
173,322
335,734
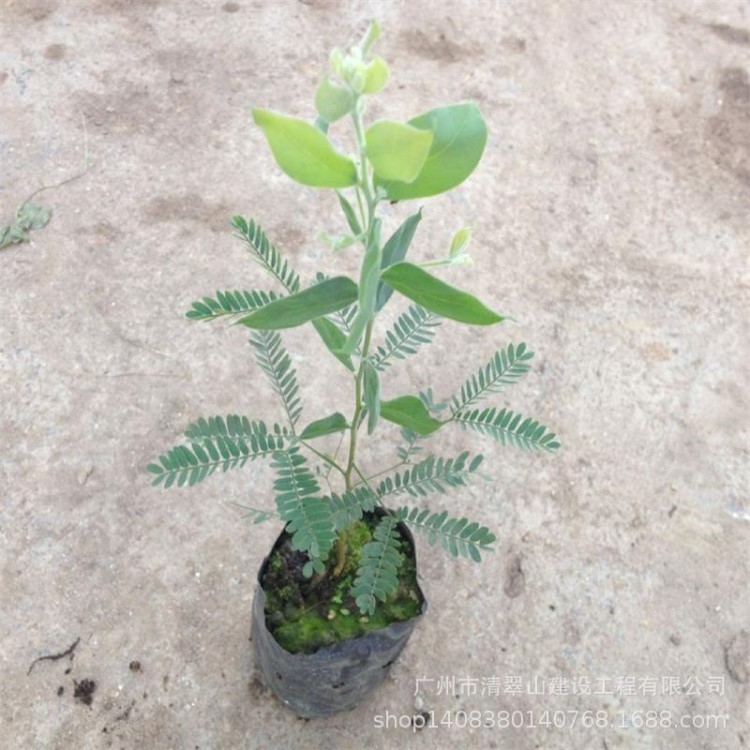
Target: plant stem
x,y
370,206
330,461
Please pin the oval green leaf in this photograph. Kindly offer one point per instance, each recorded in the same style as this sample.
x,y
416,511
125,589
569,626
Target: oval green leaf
x,y
411,413
376,76
435,295
460,135
324,298
333,101
397,151
303,152
327,426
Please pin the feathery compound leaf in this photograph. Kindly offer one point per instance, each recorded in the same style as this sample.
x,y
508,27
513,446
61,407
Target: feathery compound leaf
x,y
350,506
230,303
377,575
431,475
256,515
213,448
411,330
412,447
506,367
457,536
308,516
265,253
233,425
509,427
275,361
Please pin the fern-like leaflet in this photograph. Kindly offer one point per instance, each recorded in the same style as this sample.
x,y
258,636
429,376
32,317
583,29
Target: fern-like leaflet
x,y
256,515
350,506
508,427
266,254
411,447
377,575
457,536
308,516
412,329
276,363
212,449
430,475
233,425
230,303
506,367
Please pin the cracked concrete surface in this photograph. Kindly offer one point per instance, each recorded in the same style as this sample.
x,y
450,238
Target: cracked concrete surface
x,y
610,218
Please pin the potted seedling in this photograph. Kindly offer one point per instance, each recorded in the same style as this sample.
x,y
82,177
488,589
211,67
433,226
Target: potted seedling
x,y
338,596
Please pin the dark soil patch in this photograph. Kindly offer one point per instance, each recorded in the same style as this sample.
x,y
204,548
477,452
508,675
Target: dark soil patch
x,y
84,691
305,614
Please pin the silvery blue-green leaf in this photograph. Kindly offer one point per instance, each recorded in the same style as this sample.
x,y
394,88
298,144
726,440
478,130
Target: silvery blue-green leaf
x,y
372,395
315,302
394,251
368,287
437,296
334,339
332,100
327,426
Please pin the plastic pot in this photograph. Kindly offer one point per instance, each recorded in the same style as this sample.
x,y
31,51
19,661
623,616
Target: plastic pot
x,y
333,678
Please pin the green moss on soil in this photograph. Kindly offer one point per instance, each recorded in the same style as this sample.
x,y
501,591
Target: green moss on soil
x,y
306,614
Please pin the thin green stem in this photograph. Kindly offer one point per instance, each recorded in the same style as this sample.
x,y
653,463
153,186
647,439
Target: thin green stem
x,y
330,461
385,471
368,216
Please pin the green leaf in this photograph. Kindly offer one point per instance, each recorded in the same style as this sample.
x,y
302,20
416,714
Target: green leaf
x,y
377,575
506,367
334,339
460,242
214,444
508,427
372,396
28,216
229,303
397,151
376,76
349,213
332,100
350,506
266,254
435,295
430,475
394,251
33,216
276,363
324,298
309,518
304,153
327,426
411,413
368,289
460,135
256,515
412,329
457,536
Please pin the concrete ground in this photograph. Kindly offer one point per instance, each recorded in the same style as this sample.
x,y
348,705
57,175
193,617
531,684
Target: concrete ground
x,y
610,218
